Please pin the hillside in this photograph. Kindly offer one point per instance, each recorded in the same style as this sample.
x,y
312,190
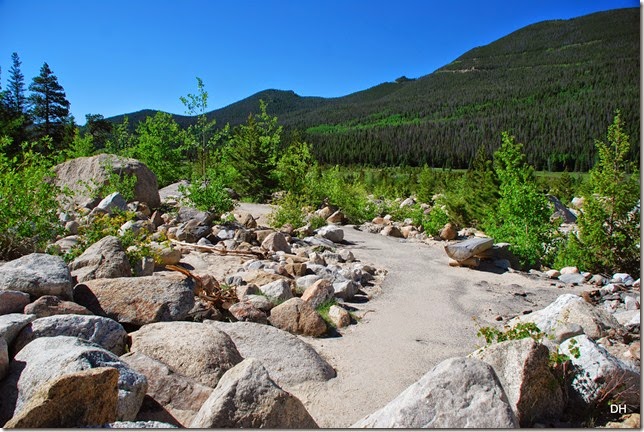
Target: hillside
x,y
555,85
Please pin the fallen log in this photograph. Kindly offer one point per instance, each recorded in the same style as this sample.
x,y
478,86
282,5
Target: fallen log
x,y
461,251
220,251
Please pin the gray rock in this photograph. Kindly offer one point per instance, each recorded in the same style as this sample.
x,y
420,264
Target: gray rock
x,y
275,242
172,190
302,283
246,311
629,319
522,368
288,359
317,241
12,301
457,393
136,227
345,289
75,173
12,324
199,351
278,291
298,317
624,278
37,274
572,278
332,233
259,301
51,305
48,358
113,202
599,374
100,330
246,397
192,231
104,259
186,214
171,397
561,211
570,309
461,251
138,300
339,316
4,358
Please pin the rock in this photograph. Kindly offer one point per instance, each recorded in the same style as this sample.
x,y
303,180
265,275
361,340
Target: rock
x,y
298,317
296,269
566,331
407,202
167,254
191,231
631,303
136,227
12,301
448,232
570,309
463,250
569,270
457,393
392,231
100,330
561,211
259,301
304,282
345,289
111,203
598,280
138,300
4,358
50,305
522,368
288,359
37,275
629,319
144,266
278,291
197,350
578,202
336,218
553,274
137,425
624,278
48,358
599,375
259,277
629,421
318,293
246,397
339,316
171,397
186,214
12,324
74,400
331,232
572,278
471,262
75,173
346,255
275,242
246,311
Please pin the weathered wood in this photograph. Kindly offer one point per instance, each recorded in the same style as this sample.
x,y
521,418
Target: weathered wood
x,y
468,248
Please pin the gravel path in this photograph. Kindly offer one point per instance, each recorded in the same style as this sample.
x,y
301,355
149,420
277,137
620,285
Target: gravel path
x,y
424,315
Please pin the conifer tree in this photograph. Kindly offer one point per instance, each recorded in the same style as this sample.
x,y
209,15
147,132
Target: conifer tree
x,y
50,108
15,116
15,98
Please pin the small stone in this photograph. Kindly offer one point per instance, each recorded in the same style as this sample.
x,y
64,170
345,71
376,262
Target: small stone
x,y
339,316
246,311
448,232
12,301
318,293
569,270
391,231
553,274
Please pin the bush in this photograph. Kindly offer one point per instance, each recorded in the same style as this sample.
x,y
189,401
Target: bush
x,y
209,193
435,221
288,211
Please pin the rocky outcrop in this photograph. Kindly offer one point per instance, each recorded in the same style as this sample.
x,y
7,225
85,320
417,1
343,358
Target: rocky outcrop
x,y
104,259
246,397
37,274
457,393
138,300
199,351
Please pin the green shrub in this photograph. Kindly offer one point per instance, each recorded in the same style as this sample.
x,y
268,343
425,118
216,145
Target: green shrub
x,y
519,331
288,211
209,193
435,221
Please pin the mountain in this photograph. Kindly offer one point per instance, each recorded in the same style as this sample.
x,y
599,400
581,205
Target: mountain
x,y
555,85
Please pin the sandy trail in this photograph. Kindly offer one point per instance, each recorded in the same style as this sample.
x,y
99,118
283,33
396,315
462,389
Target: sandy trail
x,y
423,316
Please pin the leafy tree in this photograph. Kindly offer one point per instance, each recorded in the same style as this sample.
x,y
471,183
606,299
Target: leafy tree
x,y
609,225
99,129
81,146
159,147
253,153
296,160
50,108
122,139
522,215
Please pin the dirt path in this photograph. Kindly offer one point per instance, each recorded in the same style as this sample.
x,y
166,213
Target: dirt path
x,y
423,316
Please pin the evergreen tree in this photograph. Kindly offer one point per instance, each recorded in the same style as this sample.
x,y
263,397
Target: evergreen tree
x,y
15,121
50,108
16,99
99,128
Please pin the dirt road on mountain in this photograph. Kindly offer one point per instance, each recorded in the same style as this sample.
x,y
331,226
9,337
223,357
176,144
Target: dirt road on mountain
x,y
425,314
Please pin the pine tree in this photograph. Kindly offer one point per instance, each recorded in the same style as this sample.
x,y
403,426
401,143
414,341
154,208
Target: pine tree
x,y
16,99
50,108
15,120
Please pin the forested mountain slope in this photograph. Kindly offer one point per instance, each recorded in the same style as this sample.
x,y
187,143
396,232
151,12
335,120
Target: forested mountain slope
x,y
555,85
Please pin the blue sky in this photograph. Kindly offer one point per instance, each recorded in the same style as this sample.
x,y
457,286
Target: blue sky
x,y
119,56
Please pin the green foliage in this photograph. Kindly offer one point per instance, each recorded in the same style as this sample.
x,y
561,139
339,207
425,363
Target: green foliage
x,y
519,331
81,146
435,221
28,203
289,210
609,226
122,139
522,216
50,107
208,193
293,165
323,310
158,146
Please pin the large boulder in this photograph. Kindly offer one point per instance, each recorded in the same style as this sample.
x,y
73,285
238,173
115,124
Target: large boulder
x,y
246,397
138,300
275,242
331,232
104,259
78,174
288,359
457,393
599,376
171,397
37,274
199,351
100,330
51,305
298,317
522,368
570,309
50,358
12,301
74,400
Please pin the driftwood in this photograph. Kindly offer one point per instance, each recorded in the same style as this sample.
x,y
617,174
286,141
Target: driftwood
x,y
208,288
461,251
220,251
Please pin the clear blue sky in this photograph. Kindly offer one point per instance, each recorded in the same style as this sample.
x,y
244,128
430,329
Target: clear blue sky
x,y
119,56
